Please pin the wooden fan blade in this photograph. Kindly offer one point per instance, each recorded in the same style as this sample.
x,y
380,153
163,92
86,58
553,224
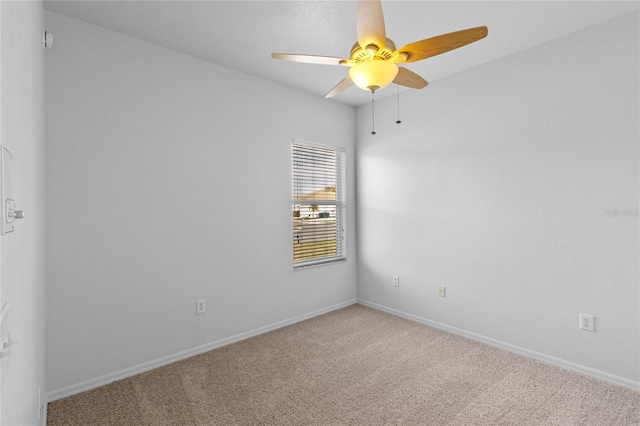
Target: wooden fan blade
x,y
309,59
436,45
370,24
409,78
340,87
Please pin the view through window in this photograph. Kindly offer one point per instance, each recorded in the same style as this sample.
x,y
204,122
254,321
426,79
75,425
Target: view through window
x,y
319,207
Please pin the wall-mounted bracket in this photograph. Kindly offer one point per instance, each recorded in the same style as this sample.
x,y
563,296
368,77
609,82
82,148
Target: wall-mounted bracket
x,y
9,211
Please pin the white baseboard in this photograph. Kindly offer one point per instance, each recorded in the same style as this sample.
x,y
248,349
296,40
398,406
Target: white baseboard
x,y
150,365
616,380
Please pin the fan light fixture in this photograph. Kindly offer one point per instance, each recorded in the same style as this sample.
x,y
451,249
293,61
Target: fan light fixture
x,y
373,74
374,62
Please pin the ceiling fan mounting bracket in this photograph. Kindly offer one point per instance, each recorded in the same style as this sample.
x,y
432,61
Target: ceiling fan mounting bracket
x,y
400,57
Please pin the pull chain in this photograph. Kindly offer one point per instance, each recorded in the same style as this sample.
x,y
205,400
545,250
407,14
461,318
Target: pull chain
x,y
373,114
398,122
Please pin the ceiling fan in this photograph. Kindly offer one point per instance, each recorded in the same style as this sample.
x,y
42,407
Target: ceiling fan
x,y
374,60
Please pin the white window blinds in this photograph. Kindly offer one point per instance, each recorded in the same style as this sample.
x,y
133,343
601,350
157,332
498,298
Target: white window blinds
x,y
319,204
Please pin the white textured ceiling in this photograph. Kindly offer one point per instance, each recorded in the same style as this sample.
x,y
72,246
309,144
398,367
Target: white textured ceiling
x,y
243,34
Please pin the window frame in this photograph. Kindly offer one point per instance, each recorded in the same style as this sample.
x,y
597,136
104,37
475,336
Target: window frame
x,y
339,202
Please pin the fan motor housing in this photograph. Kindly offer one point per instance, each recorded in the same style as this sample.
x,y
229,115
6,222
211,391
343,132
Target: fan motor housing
x,y
359,54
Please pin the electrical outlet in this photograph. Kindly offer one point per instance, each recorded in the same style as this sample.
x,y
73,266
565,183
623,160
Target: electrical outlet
x,y
396,281
587,322
442,291
201,306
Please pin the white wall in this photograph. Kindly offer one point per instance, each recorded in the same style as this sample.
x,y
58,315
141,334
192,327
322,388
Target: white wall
x,y
496,185
23,264
168,181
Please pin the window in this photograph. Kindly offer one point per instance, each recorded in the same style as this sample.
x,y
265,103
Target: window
x,y
319,204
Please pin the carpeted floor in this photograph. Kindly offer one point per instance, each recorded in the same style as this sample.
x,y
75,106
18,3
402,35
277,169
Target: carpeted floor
x,y
354,366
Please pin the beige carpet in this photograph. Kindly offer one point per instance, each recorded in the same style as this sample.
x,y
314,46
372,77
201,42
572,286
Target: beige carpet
x,y
354,366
